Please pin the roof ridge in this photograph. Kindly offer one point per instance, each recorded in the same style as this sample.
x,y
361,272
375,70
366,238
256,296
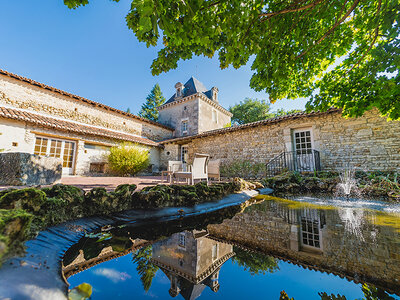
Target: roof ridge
x,y
65,125
80,98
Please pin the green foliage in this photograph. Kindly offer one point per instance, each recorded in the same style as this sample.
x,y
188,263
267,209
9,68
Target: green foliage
x,y
243,169
284,296
76,3
373,293
80,292
227,125
254,262
128,110
153,100
145,268
128,159
339,53
30,199
325,296
250,110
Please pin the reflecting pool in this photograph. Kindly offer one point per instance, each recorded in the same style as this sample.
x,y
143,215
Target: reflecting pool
x,y
308,250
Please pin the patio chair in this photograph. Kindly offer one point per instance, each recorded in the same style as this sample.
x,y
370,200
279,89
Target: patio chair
x,y
173,166
213,169
198,170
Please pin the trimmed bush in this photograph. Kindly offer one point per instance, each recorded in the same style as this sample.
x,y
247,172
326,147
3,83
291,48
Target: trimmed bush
x,y
243,169
128,159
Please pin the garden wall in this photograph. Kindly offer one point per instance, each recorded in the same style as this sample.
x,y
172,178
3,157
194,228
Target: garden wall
x,y
369,142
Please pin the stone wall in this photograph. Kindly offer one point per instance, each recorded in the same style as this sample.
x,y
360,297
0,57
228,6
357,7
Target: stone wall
x,y
369,142
360,250
206,121
174,115
18,168
16,136
23,95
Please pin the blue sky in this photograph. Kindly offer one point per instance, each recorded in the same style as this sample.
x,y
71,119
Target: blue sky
x,y
91,52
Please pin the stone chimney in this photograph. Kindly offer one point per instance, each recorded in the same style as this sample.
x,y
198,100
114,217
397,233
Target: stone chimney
x,y
214,94
179,90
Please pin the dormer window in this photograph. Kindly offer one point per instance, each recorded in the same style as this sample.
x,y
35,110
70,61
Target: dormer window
x,y
179,90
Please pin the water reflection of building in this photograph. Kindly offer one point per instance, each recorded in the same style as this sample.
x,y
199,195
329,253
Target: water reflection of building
x,y
344,242
191,261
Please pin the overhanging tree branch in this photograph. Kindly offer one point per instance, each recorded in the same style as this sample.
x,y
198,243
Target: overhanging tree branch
x,y
266,16
332,29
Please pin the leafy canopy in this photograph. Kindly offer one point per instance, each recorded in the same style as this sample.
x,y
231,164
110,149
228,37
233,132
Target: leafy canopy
x,y
252,110
154,99
291,43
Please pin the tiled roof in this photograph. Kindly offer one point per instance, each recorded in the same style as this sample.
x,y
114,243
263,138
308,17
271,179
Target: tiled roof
x,y
63,125
78,98
192,86
250,125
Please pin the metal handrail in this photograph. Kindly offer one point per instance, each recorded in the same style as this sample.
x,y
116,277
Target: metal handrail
x,y
300,161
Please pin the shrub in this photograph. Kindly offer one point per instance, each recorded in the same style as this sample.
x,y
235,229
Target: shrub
x,y
243,169
128,159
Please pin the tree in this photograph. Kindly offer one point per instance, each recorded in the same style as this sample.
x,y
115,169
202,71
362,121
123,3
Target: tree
x,y
252,110
128,110
336,53
255,263
154,99
146,269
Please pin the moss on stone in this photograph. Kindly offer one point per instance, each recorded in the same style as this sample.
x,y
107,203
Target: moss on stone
x,y
30,199
69,193
14,229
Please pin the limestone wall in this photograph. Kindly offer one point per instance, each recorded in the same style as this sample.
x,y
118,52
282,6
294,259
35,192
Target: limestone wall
x,y
24,95
16,136
206,119
369,142
174,115
362,250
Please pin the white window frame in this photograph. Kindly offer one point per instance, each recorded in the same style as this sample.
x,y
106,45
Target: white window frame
x,y
313,218
214,116
302,129
182,240
185,121
182,152
66,170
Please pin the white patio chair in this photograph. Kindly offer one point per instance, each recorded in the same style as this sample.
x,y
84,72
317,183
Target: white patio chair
x,y
213,169
173,166
198,170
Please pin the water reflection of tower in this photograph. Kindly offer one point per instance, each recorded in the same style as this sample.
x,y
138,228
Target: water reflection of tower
x,y
191,261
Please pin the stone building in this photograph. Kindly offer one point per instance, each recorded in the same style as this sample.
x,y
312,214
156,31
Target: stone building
x,y
39,119
191,261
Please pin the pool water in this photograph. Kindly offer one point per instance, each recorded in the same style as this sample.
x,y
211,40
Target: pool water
x,y
308,250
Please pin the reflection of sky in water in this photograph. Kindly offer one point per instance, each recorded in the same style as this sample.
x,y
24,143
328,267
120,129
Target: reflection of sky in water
x,y
235,283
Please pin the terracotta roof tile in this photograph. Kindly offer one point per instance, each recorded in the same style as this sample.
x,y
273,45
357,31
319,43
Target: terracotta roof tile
x,y
78,98
15,114
249,125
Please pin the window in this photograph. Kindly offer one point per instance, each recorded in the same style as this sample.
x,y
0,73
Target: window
x,y
214,116
215,252
56,148
302,141
184,154
182,240
41,146
310,229
179,92
184,126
